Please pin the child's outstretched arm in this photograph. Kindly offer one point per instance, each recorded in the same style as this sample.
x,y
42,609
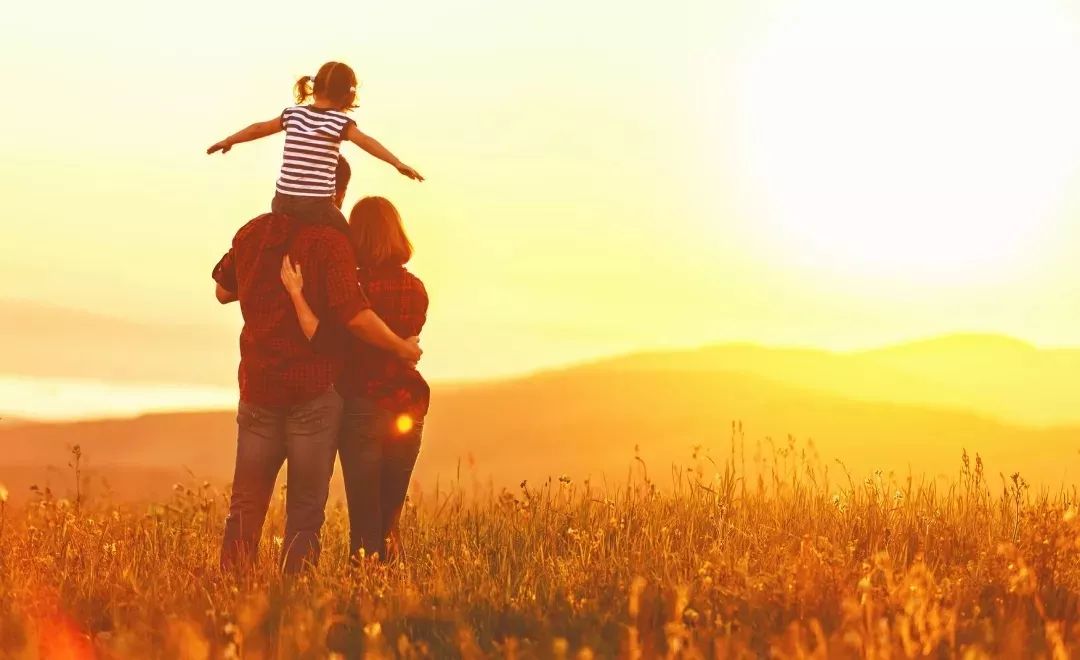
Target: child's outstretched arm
x,y
372,146
257,130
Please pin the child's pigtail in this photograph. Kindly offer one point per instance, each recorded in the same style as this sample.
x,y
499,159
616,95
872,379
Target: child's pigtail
x,y
303,90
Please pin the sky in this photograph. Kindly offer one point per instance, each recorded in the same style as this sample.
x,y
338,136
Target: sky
x,y
602,177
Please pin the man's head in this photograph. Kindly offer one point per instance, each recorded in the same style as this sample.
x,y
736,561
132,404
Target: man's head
x,y
344,173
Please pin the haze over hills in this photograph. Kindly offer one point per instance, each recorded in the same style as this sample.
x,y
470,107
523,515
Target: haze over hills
x,y
45,341
586,421
46,350
992,375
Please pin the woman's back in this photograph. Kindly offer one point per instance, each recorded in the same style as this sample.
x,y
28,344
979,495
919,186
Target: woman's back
x,y
401,301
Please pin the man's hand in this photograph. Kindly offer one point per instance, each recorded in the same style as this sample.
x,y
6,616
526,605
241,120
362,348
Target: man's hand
x,y
409,172
410,350
223,295
291,276
222,146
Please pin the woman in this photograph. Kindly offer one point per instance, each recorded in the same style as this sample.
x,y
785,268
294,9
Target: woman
x,y
386,399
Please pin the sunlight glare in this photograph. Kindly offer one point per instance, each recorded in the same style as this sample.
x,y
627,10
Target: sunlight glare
x,y
914,140
403,424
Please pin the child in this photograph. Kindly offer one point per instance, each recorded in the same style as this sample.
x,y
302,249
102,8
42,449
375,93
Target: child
x,y
313,135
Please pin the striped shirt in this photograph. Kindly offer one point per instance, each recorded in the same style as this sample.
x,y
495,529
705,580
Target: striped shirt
x,y
312,143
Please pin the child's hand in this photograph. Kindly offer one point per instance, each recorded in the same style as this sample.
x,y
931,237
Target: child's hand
x,y
291,276
222,146
409,172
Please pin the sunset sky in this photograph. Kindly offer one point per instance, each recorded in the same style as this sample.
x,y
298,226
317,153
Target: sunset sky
x,y
602,176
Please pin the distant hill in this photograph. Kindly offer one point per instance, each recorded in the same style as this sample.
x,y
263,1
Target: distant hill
x,y
990,375
45,341
585,422
987,374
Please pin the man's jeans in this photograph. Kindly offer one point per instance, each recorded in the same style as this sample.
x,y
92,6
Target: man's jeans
x,y
377,462
306,437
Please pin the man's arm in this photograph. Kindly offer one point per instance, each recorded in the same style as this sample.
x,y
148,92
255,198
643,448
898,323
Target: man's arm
x,y
367,326
224,296
224,275
334,266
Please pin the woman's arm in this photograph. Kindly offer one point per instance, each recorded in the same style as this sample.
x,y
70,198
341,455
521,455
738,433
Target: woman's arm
x,y
257,130
293,279
373,147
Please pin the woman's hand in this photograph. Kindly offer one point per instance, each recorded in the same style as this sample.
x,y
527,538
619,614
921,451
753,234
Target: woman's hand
x,y
291,276
222,146
409,172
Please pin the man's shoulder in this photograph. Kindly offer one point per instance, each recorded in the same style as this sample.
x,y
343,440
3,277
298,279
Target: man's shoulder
x,y
258,225
321,238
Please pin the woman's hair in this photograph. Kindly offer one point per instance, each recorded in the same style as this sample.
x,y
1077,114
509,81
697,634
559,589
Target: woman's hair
x,y
335,82
378,235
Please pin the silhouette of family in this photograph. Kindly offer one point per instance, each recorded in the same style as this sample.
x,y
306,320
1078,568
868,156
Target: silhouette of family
x,y
330,340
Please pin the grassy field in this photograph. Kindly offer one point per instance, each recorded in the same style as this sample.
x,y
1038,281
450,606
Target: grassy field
x,y
698,562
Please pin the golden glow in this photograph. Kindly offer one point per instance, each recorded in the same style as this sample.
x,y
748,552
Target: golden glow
x,y
881,140
403,424
602,177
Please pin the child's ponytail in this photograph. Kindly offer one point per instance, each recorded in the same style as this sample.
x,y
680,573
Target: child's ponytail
x,y
303,89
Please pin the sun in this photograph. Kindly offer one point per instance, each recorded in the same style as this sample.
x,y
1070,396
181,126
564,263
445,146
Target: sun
x,y
915,140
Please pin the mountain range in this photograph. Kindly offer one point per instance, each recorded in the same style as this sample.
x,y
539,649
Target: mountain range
x,y
909,409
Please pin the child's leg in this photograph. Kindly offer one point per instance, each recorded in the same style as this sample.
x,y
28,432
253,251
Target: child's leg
x,y
333,217
310,211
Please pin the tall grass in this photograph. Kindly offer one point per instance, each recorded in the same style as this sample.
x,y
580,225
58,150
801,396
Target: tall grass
x,y
709,562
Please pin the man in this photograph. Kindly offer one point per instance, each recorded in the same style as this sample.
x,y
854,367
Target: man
x,y
289,411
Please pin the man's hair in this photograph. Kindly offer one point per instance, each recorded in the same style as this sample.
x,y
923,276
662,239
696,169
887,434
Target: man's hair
x,y
378,235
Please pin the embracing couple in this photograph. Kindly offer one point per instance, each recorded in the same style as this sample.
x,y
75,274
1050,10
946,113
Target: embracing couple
x,y
329,344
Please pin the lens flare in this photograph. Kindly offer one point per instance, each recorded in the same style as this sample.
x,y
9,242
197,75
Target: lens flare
x,y
403,424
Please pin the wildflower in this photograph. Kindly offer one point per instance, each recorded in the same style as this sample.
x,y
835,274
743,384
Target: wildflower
x,y
565,480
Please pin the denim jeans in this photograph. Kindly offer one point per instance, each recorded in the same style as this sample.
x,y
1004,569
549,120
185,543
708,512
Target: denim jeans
x,y
377,461
305,437
310,210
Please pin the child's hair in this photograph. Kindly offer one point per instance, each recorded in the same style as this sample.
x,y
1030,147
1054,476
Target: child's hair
x,y
378,235
335,82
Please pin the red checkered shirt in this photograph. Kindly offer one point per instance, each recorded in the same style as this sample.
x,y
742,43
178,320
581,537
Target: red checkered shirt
x,y
278,365
401,301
